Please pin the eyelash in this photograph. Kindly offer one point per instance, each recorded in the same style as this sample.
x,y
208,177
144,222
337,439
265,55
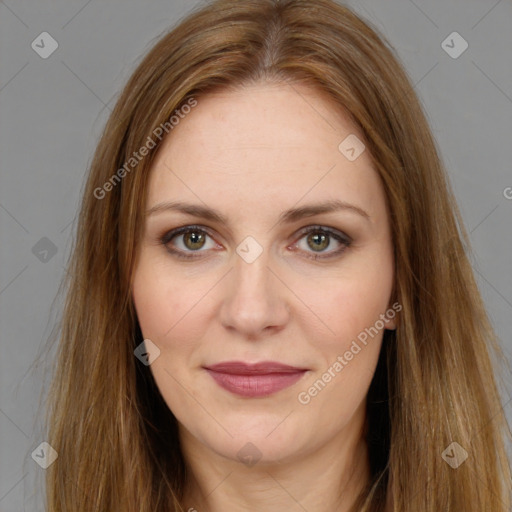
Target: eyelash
x,y
343,239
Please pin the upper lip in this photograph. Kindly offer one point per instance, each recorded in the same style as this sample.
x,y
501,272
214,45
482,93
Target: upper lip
x,y
262,368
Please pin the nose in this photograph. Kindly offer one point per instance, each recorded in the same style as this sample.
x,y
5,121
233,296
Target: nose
x,y
255,302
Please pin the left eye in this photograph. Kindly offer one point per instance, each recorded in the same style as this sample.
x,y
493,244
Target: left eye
x,y
319,238
194,238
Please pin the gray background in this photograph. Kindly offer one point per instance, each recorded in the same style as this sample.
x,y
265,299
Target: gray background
x,y
53,110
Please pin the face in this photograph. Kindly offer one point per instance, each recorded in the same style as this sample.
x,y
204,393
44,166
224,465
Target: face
x,y
267,311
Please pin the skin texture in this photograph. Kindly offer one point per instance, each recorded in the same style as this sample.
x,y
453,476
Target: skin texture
x,y
253,153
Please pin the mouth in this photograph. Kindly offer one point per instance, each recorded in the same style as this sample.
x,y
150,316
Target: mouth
x,y
254,380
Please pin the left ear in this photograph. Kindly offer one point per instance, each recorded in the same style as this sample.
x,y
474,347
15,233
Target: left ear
x,y
391,315
391,325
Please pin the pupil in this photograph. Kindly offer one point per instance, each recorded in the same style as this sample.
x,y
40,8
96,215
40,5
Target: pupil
x,y
195,238
319,242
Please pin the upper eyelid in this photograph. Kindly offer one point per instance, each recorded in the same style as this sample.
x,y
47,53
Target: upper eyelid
x,y
170,234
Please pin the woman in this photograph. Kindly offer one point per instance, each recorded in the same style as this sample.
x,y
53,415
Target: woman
x,y
270,303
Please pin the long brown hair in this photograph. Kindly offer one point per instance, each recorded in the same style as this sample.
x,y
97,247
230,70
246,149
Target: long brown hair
x,y
116,439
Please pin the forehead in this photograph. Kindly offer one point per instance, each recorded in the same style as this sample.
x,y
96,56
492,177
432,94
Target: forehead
x,y
265,116
263,146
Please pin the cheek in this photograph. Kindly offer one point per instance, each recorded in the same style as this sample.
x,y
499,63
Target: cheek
x,y
345,360
352,305
344,305
165,303
168,308
348,341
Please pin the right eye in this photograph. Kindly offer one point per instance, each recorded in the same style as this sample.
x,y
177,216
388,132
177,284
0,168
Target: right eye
x,y
192,239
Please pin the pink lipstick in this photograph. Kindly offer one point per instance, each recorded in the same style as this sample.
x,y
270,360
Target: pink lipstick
x,y
254,380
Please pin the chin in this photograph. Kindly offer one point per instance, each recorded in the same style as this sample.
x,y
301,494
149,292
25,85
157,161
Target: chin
x,y
262,440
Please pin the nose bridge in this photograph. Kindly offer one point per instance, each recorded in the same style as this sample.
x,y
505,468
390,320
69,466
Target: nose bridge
x,y
252,276
251,264
254,299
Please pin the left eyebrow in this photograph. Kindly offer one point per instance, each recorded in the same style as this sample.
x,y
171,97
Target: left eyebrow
x,y
295,214
289,216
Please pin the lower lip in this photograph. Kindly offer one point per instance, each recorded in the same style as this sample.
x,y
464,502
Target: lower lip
x,y
255,385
